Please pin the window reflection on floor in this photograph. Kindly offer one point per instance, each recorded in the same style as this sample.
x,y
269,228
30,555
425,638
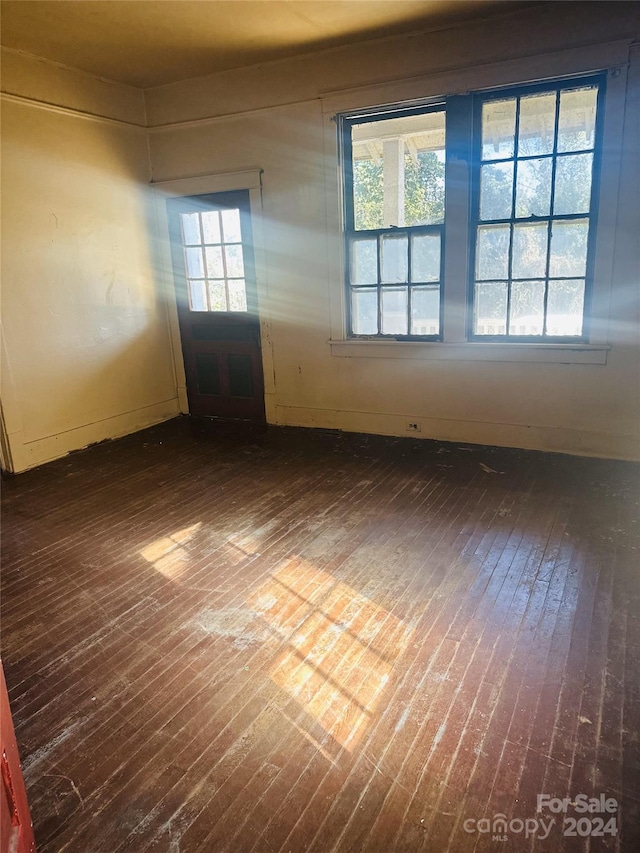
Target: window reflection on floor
x,y
334,648
339,654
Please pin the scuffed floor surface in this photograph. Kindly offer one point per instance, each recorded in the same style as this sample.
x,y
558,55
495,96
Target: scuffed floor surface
x,y
227,638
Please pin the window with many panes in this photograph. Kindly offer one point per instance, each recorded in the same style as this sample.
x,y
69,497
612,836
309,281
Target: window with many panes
x,y
532,156
212,246
395,221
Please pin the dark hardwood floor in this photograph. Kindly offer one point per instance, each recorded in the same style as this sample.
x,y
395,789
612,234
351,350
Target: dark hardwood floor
x,y
226,638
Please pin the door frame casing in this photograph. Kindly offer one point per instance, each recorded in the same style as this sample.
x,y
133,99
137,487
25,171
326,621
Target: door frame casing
x,y
250,181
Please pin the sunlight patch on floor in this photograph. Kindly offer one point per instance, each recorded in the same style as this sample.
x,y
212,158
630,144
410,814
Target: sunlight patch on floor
x,y
340,651
167,553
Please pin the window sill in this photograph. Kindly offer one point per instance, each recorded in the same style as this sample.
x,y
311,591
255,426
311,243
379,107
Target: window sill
x,y
528,352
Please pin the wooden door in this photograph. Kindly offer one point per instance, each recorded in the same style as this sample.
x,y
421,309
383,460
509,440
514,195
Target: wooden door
x,y
214,274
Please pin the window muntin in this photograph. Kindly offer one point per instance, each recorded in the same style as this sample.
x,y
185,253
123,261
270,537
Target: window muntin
x,y
394,194
534,211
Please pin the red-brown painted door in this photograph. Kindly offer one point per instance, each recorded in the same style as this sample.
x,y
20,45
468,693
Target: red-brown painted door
x,y
16,833
214,272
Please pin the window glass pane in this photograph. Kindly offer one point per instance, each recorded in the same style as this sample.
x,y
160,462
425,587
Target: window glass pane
x,y
231,226
233,258
573,184
215,268
424,185
498,129
576,124
364,312
569,248
197,296
537,123
425,311
425,257
533,187
490,315
190,228
565,307
211,226
529,251
394,310
237,295
367,190
394,259
492,255
496,191
195,267
398,171
526,315
364,261
217,296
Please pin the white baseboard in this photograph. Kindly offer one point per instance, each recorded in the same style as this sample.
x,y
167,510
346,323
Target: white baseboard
x,y
551,439
29,454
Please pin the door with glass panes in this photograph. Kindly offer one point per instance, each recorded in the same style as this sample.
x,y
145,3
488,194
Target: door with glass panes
x,y
217,306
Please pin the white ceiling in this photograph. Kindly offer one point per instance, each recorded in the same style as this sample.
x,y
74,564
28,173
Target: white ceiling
x,y
150,42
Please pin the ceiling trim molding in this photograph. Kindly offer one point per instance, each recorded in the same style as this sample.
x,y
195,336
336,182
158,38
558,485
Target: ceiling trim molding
x,y
464,78
197,122
48,106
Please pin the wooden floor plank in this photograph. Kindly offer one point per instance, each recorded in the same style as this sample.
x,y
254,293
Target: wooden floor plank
x,y
222,637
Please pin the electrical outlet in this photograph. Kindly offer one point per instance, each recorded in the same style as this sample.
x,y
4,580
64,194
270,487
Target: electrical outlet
x,y
413,426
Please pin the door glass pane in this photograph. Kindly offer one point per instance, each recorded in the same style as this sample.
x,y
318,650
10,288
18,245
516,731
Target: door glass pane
x,y
565,307
537,123
394,259
492,256
490,315
211,226
195,267
496,190
529,251
190,228
364,261
573,184
569,248
237,295
364,312
527,308
425,311
231,226
533,191
218,296
425,257
198,295
394,311
576,124
207,373
498,129
215,268
240,375
234,262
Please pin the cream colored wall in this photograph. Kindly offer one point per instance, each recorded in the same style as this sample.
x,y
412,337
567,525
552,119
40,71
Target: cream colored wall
x,y
85,345
86,351
275,117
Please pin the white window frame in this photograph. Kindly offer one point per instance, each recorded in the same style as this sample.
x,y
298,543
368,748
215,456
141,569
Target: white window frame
x,y
611,58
